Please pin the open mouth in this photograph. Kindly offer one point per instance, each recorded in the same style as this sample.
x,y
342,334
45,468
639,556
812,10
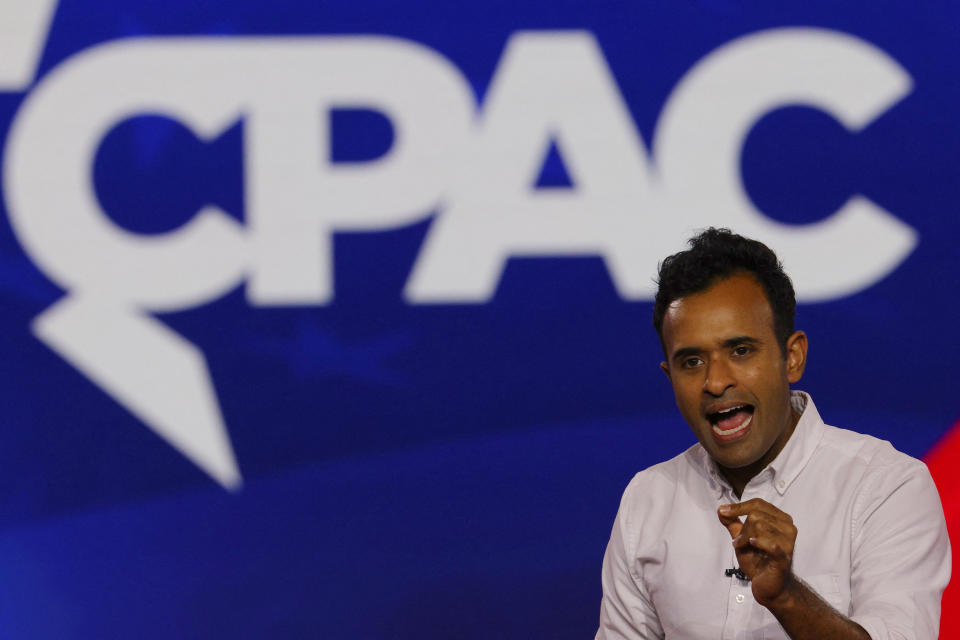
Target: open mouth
x,y
731,422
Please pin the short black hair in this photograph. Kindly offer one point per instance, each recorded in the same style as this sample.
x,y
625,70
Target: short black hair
x,y
715,254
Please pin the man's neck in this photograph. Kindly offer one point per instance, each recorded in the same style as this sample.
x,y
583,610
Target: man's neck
x,y
739,478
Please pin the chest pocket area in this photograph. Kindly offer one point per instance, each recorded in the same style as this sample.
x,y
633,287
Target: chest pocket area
x,y
827,586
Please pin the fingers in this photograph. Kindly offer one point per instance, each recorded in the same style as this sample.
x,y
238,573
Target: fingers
x,y
732,523
765,537
757,526
773,546
765,527
754,505
755,509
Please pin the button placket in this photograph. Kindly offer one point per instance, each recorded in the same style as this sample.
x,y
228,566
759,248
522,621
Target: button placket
x,y
739,599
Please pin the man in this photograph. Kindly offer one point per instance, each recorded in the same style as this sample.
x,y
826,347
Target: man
x,y
775,525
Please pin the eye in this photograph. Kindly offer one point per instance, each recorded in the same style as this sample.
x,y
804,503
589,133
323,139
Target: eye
x,y
691,362
742,350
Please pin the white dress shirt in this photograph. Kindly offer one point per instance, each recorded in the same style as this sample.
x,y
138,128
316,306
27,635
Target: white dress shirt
x,y
871,541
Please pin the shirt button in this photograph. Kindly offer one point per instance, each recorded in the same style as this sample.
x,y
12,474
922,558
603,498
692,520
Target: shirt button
x,y
739,598
781,484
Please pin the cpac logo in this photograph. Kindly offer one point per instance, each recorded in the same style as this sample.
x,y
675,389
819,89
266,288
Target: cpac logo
x,y
475,167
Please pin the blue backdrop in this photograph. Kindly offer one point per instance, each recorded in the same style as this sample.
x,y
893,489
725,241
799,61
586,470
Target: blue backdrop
x,y
375,460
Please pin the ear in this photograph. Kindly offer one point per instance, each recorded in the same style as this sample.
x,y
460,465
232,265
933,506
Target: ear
x,y
666,370
796,356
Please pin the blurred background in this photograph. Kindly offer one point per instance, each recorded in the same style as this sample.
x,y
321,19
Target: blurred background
x,y
332,320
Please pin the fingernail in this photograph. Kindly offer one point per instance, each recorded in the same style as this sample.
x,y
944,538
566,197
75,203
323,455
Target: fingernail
x,y
725,509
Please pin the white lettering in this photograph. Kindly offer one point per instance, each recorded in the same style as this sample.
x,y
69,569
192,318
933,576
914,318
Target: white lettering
x,y
553,86
548,87
47,178
296,197
709,114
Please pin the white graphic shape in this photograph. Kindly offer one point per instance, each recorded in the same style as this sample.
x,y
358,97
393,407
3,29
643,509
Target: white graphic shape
x,y
548,86
153,372
703,126
23,31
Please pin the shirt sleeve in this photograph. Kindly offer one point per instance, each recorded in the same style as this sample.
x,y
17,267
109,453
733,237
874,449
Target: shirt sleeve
x,y
626,611
901,554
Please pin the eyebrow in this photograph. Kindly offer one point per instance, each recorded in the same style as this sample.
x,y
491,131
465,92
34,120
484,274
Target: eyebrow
x,y
679,354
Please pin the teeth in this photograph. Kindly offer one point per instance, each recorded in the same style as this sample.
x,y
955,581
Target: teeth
x,y
730,410
727,432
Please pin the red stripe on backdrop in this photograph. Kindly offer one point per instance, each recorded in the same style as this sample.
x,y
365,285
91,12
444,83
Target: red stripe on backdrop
x,y
944,463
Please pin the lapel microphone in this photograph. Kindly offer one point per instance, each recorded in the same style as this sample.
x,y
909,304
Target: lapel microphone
x,y
736,572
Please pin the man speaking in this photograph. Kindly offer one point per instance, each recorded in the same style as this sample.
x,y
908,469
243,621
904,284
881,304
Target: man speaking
x,y
775,525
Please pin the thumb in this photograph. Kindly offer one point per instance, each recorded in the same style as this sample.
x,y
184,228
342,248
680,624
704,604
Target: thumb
x,y
732,523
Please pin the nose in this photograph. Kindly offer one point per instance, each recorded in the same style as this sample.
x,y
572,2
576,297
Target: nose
x,y
719,377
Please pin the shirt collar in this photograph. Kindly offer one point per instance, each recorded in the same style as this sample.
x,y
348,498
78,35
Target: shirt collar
x,y
800,447
792,458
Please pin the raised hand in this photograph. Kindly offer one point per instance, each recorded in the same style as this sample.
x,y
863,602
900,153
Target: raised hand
x,y
764,546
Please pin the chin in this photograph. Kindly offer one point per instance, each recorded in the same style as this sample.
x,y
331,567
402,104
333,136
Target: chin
x,y
735,461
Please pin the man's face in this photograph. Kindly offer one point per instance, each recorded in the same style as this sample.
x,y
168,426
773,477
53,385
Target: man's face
x,y
729,374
